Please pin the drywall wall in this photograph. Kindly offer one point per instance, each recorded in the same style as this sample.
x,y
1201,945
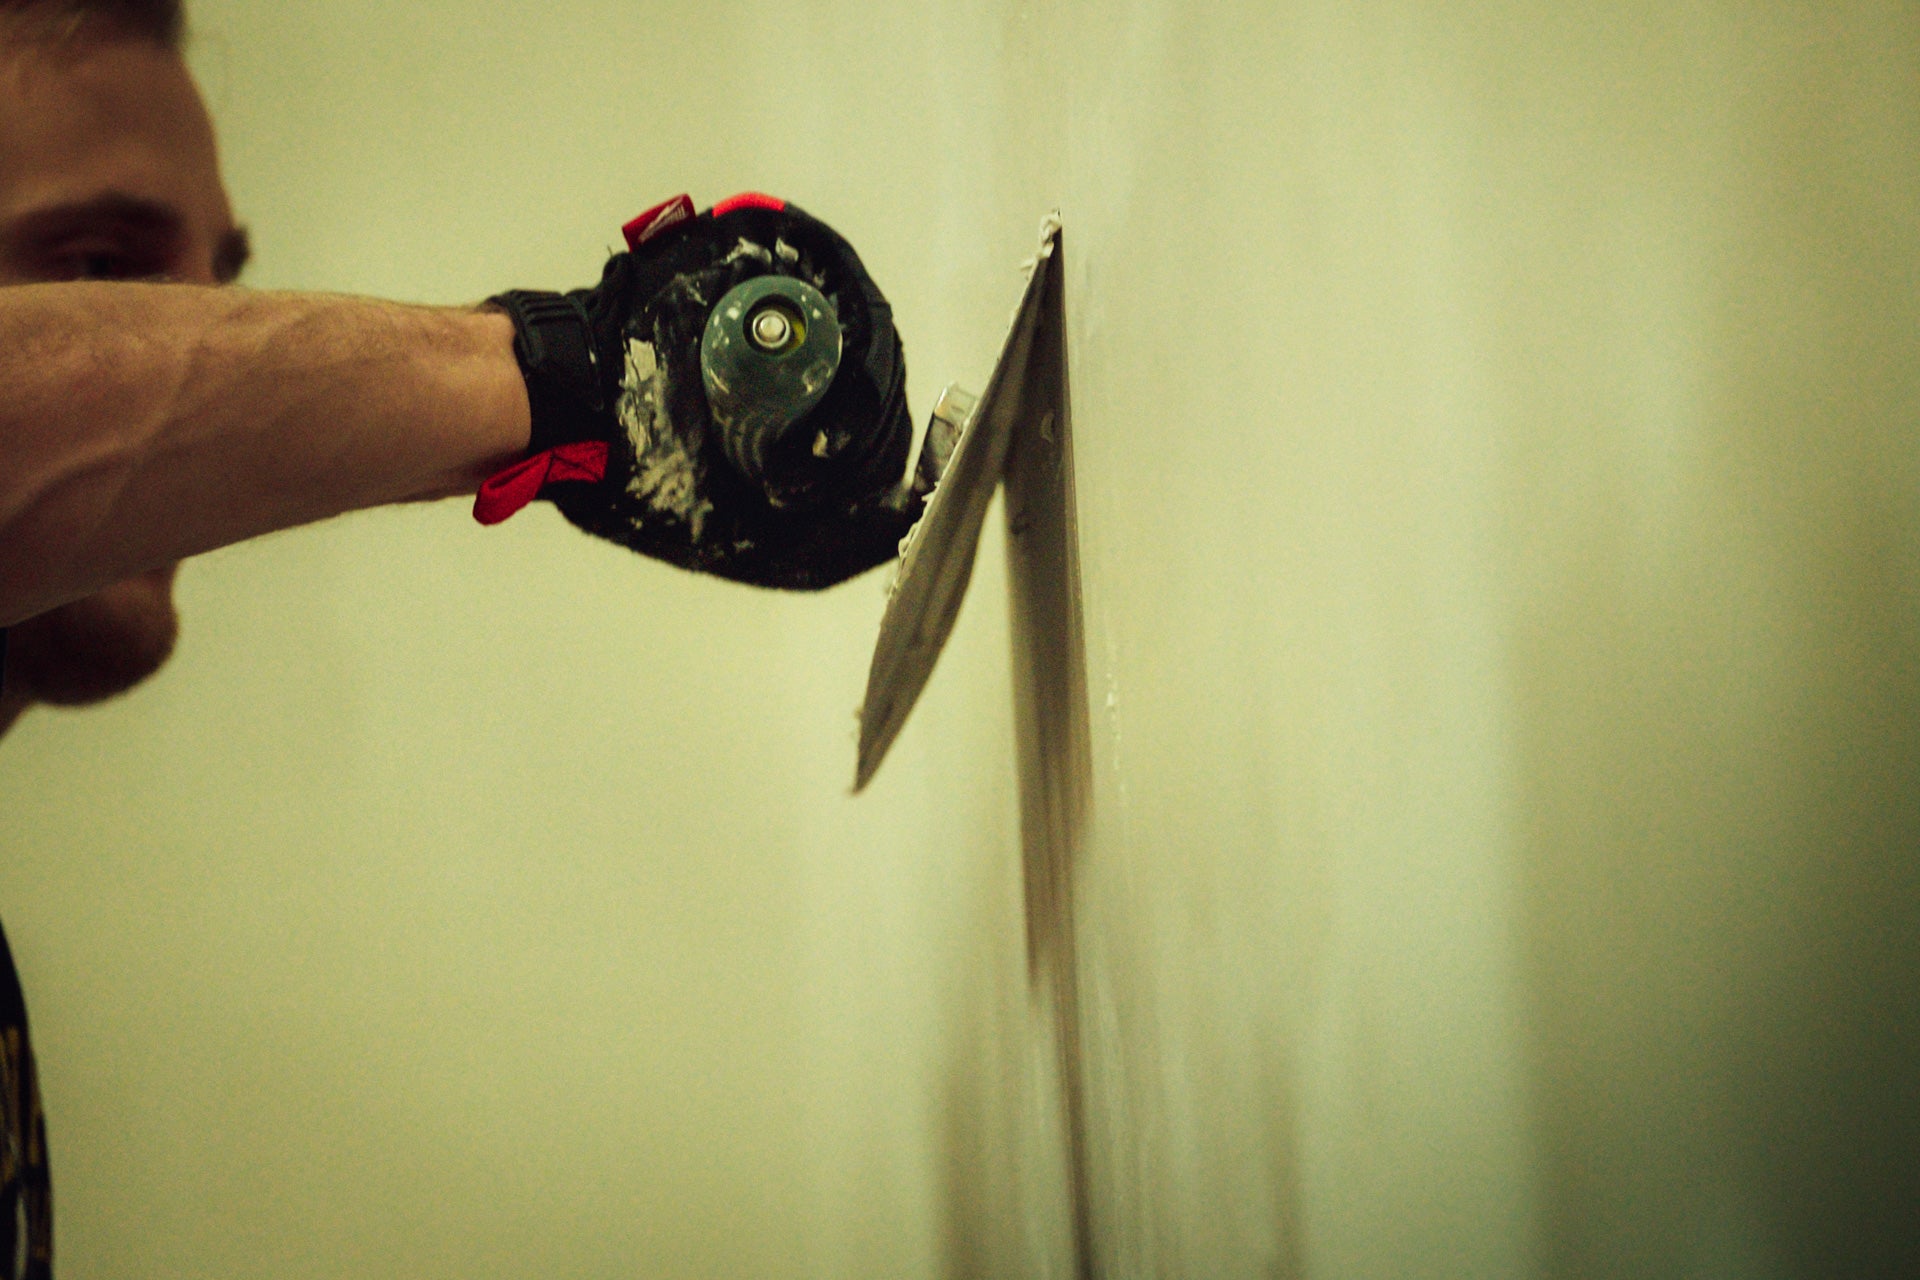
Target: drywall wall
x,y
1495,442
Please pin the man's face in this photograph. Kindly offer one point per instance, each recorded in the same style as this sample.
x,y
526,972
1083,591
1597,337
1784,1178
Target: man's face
x,y
107,171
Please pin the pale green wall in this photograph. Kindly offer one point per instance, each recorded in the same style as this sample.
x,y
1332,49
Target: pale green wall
x,y
1501,498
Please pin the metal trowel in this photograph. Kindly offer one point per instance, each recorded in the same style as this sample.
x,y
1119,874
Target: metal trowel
x,y
972,438
1018,434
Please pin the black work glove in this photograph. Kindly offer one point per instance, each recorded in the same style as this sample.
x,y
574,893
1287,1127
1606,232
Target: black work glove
x,y
636,443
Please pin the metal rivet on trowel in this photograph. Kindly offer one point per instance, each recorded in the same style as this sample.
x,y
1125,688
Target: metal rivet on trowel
x,y
771,330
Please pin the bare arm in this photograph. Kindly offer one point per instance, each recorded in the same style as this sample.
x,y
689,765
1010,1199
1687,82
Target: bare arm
x,y
141,424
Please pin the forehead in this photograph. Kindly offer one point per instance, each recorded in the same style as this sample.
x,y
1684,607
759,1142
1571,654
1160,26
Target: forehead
x,y
95,117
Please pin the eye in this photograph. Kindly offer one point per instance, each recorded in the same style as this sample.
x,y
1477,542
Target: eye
x,y
104,259
104,264
96,265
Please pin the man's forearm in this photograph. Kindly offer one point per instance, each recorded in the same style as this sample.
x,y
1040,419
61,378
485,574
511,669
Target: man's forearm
x,y
140,424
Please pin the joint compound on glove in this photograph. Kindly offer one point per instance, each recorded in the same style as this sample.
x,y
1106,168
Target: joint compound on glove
x,y
667,479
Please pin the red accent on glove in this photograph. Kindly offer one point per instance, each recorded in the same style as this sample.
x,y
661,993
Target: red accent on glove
x,y
749,200
507,491
657,219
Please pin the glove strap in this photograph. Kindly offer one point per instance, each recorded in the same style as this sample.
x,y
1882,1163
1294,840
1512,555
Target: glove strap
x,y
553,341
507,491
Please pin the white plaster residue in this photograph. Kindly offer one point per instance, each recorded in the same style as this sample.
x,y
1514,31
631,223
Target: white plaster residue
x,y
642,393
1049,228
668,481
748,249
665,477
907,542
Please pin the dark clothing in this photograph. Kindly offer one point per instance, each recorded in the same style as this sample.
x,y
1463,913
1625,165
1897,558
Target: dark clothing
x,y
26,1198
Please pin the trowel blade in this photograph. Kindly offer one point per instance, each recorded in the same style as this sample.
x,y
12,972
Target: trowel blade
x,y
938,561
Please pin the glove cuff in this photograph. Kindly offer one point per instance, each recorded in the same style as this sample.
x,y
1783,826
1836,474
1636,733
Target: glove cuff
x,y
554,344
